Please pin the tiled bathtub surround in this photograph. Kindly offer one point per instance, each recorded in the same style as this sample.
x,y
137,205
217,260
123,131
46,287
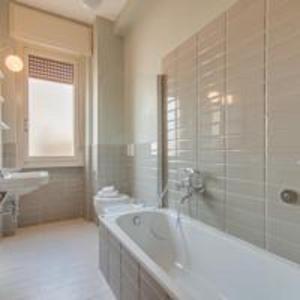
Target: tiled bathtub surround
x,y
210,61
232,113
142,172
245,120
283,90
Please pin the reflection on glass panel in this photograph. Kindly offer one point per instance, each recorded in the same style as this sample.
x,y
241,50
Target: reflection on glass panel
x,y
51,118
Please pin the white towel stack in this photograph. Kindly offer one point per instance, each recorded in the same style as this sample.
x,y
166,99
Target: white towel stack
x,y
108,192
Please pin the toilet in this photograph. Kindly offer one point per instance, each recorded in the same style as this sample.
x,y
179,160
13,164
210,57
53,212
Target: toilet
x,y
106,205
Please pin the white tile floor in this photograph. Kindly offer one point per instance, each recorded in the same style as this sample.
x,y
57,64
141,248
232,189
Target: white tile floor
x,y
57,261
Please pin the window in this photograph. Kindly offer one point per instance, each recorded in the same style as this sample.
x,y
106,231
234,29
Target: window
x,y
51,113
52,117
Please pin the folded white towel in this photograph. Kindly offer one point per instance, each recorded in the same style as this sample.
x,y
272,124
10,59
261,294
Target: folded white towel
x,y
112,200
112,194
110,188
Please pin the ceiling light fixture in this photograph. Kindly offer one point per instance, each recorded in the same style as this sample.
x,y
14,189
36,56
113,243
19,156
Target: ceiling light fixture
x,y
92,4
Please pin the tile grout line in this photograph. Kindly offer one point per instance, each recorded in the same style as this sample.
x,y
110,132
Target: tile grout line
x,y
225,120
198,107
266,119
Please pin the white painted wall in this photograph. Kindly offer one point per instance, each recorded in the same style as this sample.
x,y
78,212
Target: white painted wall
x,y
108,83
156,27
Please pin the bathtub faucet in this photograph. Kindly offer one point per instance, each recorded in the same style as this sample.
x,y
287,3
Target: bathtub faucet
x,y
161,199
187,196
192,183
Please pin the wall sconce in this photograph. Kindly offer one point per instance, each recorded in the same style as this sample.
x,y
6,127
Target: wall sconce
x,y
14,63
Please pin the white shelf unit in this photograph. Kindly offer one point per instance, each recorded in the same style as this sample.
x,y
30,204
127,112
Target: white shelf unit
x,y
3,126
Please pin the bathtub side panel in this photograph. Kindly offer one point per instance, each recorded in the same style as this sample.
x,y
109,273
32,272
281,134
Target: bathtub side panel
x,y
114,265
129,277
103,250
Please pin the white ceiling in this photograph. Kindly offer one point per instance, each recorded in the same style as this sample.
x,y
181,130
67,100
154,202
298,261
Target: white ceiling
x,y
75,9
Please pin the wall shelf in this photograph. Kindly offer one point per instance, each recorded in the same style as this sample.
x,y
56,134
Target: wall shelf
x,y
1,75
3,126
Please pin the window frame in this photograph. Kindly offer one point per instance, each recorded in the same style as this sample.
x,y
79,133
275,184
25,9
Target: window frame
x,y
57,161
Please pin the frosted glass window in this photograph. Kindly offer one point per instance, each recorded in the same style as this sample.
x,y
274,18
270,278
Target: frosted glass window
x,y
51,114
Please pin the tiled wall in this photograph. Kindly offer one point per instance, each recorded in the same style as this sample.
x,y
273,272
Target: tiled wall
x,y
109,159
113,167
63,198
142,172
233,113
245,120
283,147
9,154
210,62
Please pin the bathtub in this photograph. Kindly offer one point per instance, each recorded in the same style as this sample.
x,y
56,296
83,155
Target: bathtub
x,y
193,261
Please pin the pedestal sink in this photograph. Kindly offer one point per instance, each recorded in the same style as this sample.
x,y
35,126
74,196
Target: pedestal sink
x,y
21,183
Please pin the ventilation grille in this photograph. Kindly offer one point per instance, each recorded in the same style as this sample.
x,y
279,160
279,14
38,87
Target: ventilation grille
x,y
52,70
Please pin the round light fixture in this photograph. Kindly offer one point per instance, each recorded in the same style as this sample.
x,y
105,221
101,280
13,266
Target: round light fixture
x,y
92,4
14,63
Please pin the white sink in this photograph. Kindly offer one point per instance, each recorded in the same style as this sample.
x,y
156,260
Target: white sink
x,y
21,183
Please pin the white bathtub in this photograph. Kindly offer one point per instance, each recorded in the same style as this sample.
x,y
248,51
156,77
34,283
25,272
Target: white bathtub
x,y
191,260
